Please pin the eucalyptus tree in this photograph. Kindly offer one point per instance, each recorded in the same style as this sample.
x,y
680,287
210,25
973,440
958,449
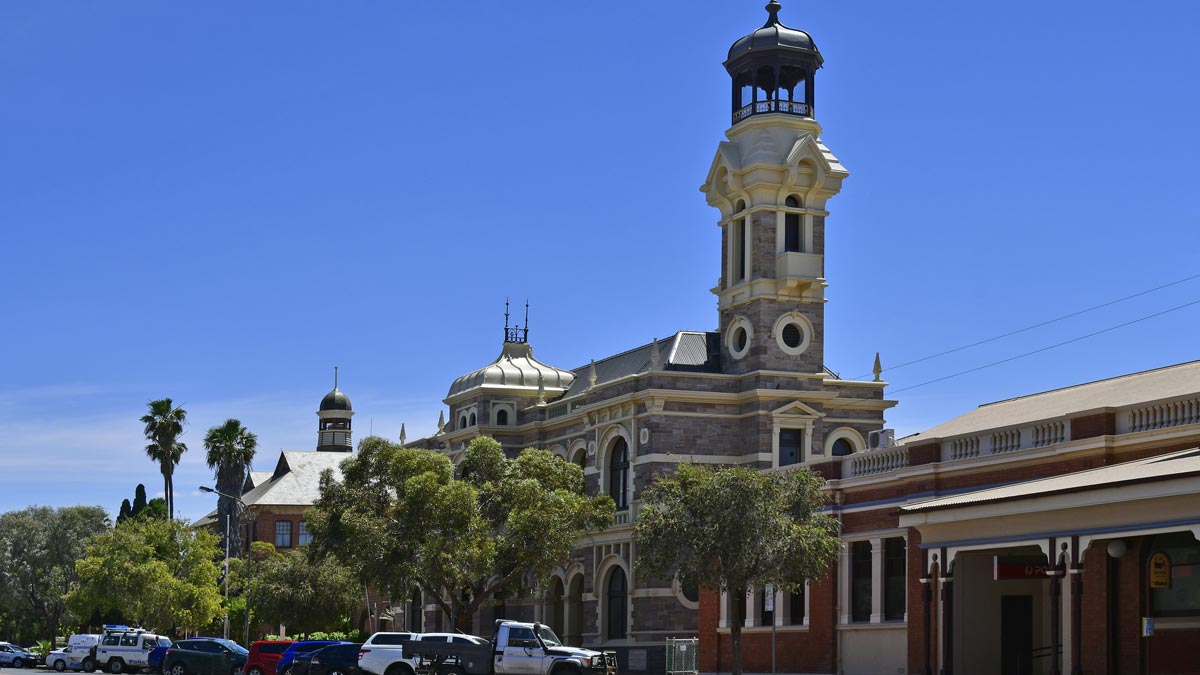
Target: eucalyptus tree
x,y
736,529
231,449
164,425
403,518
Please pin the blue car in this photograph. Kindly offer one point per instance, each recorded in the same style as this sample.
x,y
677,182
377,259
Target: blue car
x,y
284,667
16,657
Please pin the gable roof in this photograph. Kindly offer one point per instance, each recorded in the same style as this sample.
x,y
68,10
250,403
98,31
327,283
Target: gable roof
x,y
1125,390
296,480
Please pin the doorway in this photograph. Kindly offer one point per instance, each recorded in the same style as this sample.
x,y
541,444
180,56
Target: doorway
x,y
1016,634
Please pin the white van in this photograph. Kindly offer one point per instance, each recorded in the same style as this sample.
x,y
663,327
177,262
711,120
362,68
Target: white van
x,y
80,651
127,651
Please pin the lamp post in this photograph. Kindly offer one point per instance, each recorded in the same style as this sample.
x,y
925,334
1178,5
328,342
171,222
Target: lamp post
x,y
249,515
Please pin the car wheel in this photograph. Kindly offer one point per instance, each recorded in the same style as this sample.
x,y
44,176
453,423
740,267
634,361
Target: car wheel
x,y
255,671
236,670
116,666
287,671
18,663
88,665
60,665
177,668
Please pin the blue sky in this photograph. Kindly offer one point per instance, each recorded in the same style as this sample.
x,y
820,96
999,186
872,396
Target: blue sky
x,y
220,201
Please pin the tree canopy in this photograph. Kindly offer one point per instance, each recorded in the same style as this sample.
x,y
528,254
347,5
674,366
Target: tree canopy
x,y
38,549
736,529
400,518
304,592
157,573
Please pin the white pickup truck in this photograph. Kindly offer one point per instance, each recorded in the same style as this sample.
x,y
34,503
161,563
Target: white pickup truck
x,y
515,649
384,654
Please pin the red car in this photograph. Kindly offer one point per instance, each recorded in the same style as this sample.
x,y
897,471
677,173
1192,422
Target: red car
x,y
264,654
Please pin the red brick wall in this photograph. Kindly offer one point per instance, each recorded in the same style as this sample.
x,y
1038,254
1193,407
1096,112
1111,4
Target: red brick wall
x,y
924,454
1091,426
916,606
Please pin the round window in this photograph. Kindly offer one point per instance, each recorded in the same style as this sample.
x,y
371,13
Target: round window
x,y
793,333
792,336
740,338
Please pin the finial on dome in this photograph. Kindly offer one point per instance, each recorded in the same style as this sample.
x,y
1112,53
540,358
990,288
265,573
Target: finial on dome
x,y
773,7
878,369
335,378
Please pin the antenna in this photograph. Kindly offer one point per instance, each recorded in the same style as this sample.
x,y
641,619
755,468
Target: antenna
x,y
506,316
527,319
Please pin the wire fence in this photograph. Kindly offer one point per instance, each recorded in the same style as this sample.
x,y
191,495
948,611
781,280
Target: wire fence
x,y
683,656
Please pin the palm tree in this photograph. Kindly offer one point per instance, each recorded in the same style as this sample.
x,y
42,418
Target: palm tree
x,y
164,424
230,450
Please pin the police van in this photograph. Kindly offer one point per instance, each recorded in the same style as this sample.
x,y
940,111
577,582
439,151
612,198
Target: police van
x,y
123,649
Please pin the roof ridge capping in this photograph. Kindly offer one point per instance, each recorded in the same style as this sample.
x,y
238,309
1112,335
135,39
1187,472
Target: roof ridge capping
x,y
1084,384
670,340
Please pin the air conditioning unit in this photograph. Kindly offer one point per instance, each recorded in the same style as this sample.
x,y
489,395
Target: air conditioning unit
x,y
884,438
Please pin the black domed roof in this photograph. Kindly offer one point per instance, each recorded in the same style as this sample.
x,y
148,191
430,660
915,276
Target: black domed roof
x,y
335,400
774,35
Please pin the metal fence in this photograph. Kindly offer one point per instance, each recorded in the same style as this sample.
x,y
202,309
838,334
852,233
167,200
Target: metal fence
x,y
683,656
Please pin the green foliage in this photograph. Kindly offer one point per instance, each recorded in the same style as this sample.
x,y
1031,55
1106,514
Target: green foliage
x,y
38,549
157,573
139,500
230,449
125,512
399,518
736,529
164,425
303,592
155,508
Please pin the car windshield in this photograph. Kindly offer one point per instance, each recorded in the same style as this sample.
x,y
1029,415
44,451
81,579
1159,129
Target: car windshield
x,y
233,646
549,637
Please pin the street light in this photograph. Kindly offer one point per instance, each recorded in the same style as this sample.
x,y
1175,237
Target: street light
x,y
249,515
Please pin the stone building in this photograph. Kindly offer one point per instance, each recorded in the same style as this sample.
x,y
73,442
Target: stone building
x,y
754,392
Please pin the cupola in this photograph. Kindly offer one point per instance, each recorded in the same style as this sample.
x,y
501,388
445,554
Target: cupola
x,y
333,426
772,70
515,370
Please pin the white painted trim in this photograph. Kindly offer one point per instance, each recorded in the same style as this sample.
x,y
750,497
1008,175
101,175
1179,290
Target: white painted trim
x,y
801,322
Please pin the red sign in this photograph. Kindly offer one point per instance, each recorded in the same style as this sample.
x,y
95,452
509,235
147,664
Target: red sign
x,y
1017,567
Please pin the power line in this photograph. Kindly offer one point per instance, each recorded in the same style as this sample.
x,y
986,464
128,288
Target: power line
x,y
1047,348
1038,325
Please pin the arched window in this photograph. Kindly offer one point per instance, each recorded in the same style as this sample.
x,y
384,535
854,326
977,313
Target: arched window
x,y
618,593
472,419
462,422
502,417
842,447
618,474
793,230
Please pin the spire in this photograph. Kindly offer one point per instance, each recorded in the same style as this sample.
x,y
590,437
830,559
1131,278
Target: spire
x,y
655,355
335,368
878,369
592,374
516,334
403,435
773,7
441,421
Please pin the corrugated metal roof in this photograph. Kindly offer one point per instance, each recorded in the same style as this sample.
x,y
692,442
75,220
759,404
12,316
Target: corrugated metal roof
x,y
1178,464
1125,390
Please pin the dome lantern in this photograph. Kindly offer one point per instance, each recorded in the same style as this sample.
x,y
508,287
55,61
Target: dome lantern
x,y
772,70
333,425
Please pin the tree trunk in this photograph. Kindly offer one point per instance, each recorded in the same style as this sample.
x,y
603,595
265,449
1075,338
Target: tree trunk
x,y
167,488
736,619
